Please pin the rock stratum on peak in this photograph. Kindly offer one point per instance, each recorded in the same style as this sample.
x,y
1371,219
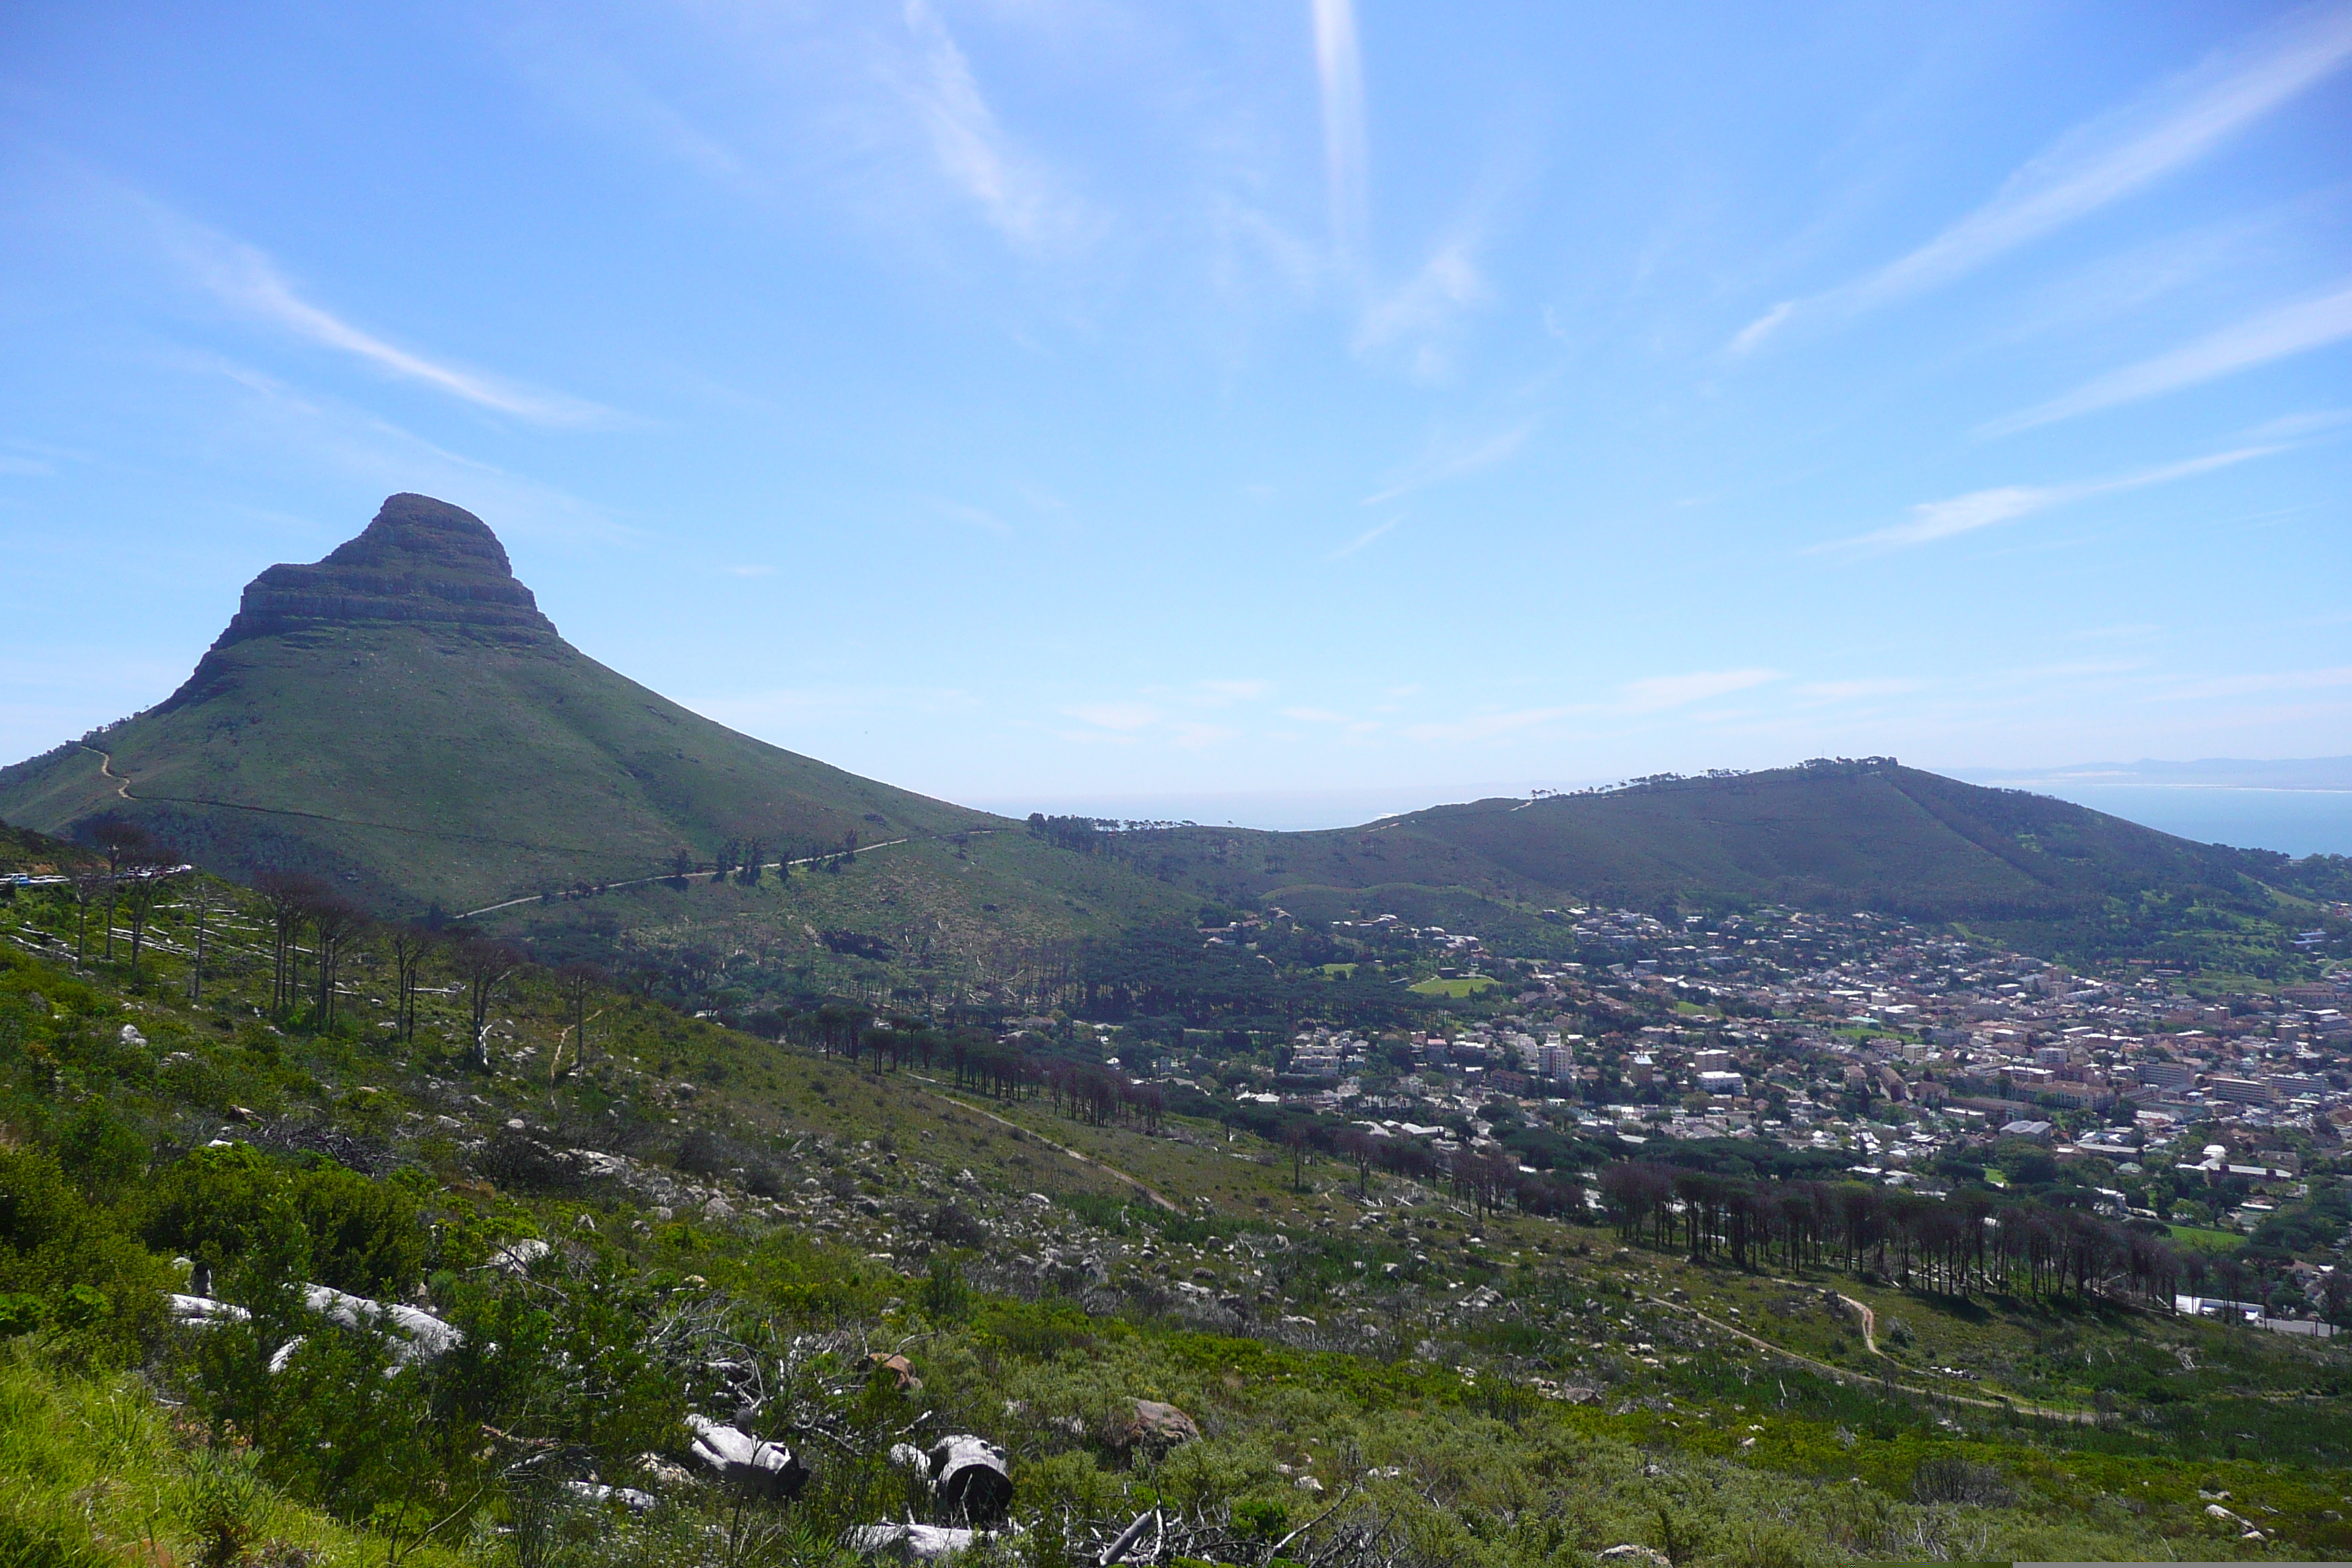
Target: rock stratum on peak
x,y
401,716
420,561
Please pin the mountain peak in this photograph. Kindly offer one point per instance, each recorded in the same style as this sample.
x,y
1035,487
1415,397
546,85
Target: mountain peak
x,y
421,560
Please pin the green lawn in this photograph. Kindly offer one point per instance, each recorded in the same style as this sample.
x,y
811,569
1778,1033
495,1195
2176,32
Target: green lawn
x,y
2205,1240
1469,986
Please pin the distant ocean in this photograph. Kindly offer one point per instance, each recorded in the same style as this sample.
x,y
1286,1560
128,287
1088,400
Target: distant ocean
x,y
2294,821
2298,807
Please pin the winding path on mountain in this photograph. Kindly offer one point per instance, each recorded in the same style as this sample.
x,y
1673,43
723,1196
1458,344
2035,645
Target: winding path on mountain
x,y
122,784
122,788
941,1091
1842,1375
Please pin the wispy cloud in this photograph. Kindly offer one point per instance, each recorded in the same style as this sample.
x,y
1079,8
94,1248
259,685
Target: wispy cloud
x,y
1935,519
1448,284
2103,161
972,516
1339,73
1855,690
283,427
2291,426
1486,726
1762,327
972,148
1219,693
1449,460
1363,539
246,279
1661,691
749,571
2275,680
1115,715
2289,330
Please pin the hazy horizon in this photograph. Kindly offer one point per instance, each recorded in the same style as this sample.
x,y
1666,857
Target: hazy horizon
x,y
2200,799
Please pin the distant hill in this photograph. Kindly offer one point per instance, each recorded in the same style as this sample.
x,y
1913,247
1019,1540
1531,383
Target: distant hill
x,y
1842,835
400,715
1870,835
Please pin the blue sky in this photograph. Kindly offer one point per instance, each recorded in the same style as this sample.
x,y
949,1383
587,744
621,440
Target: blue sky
x,y
1077,402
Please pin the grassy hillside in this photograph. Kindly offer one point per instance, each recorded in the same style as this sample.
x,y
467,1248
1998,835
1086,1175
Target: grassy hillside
x,y
1873,833
2044,874
1398,1373
954,918
441,760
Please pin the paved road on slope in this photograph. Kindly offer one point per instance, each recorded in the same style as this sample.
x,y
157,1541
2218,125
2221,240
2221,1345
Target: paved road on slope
x,y
690,876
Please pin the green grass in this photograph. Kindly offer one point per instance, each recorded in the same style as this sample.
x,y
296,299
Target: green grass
x,y
2206,1240
1468,985
97,1477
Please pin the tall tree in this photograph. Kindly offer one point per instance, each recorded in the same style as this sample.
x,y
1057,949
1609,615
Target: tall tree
x,y
121,841
410,945
144,878
334,926
201,898
579,983
484,964
89,888
288,895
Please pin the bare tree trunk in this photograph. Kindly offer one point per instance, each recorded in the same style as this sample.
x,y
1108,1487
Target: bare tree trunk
x,y
196,969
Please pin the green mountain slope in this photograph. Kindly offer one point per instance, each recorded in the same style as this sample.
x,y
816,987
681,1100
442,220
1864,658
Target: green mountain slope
x,y
1868,833
2045,874
402,716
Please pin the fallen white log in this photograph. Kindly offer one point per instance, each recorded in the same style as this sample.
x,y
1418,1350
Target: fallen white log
x,y
203,1311
415,1334
909,1542
764,1468
630,1497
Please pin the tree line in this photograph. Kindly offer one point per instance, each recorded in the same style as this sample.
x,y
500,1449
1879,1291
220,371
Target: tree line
x,y
310,937
1968,1243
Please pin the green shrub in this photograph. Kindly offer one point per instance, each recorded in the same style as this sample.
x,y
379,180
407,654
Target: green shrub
x,y
224,1205
365,1236
230,1206
103,1154
70,1265
224,1505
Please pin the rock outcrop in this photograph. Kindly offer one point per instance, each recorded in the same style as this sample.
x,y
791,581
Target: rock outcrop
x,y
421,560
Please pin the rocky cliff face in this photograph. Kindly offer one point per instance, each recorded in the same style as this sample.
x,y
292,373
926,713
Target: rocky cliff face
x,y
420,560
